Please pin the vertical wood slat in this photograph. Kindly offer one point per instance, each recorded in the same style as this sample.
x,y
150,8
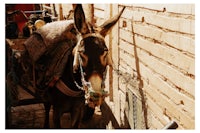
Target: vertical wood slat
x,y
89,12
115,56
60,12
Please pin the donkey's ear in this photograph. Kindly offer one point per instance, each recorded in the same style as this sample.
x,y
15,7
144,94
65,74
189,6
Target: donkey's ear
x,y
107,26
79,19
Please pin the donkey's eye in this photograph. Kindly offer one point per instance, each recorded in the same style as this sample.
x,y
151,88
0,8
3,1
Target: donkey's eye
x,y
105,53
103,58
84,58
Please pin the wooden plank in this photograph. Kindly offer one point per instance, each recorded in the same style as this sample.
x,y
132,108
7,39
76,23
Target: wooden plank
x,y
100,6
171,109
128,59
126,35
155,123
166,53
178,79
183,43
157,7
128,14
178,41
173,8
115,56
181,8
127,47
171,23
66,8
88,10
177,96
99,21
155,109
99,14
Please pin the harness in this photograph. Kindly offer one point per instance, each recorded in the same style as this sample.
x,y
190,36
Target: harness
x,y
87,87
89,92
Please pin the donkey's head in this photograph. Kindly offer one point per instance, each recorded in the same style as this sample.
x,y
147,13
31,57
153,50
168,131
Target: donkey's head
x,y
91,53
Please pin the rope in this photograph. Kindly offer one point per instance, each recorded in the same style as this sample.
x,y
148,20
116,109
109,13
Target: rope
x,y
87,87
128,78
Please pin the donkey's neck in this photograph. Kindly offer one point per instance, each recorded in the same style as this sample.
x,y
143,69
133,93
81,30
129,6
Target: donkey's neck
x,y
69,77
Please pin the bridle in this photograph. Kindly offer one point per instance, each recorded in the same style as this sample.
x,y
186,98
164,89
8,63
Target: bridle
x,y
87,87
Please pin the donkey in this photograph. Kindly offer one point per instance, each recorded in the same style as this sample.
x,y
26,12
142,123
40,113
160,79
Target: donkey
x,y
79,86
90,58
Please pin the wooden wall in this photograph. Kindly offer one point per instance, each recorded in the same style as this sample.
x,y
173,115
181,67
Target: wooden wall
x,y
156,44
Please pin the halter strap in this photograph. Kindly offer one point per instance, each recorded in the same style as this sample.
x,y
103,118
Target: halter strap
x,y
66,90
86,86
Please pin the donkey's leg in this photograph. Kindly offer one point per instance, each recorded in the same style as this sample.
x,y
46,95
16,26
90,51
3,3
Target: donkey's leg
x,y
75,118
47,109
77,114
56,117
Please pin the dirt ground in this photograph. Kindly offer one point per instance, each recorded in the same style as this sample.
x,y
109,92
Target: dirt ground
x,y
32,116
